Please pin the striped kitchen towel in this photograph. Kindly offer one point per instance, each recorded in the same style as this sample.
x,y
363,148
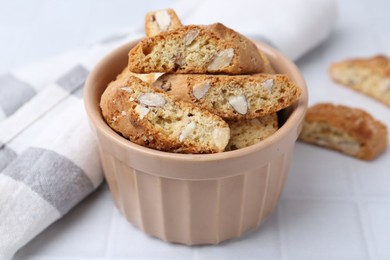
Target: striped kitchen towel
x,y
48,157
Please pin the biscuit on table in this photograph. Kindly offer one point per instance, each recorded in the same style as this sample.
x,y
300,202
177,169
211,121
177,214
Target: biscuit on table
x,y
349,130
152,118
370,76
233,97
196,49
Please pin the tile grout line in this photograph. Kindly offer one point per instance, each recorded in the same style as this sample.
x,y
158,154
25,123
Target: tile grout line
x,y
363,218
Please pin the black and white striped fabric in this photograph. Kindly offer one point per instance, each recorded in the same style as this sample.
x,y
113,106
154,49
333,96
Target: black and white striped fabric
x,y
48,156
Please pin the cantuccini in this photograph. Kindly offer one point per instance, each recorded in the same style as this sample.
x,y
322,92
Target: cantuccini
x,y
349,130
196,49
233,97
370,76
152,118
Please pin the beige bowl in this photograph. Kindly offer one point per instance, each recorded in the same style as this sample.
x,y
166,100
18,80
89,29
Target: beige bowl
x,y
188,198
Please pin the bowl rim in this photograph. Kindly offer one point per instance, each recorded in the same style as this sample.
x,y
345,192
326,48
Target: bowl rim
x,y
95,117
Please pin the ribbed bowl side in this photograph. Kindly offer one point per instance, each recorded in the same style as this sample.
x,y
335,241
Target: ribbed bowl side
x,y
196,211
122,184
247,199
108,162
278,169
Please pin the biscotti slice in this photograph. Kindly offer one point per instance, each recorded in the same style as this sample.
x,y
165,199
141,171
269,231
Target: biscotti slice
x,y
196,49
370,76
349,130
109,104
233,97
267,67
160,122
161,21
248,132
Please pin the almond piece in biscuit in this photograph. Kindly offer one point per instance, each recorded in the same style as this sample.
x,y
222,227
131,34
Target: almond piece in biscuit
x,y
161,21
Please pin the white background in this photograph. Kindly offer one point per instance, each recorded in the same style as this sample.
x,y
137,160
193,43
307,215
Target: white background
x,y
333,206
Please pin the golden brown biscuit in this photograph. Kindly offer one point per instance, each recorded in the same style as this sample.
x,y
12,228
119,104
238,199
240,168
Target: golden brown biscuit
x,y
370,76
150,117
196,49
161,21
233,97
349,130
267,68
248,132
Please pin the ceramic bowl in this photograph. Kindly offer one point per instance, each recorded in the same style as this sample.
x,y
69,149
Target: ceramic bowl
x,y
194,198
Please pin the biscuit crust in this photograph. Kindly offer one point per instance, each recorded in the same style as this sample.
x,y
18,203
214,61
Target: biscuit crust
x,y
196,49
349,130
262,94
152,118
161,21
369,76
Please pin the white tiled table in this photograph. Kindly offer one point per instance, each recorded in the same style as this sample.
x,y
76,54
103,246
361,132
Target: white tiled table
x,y
333,206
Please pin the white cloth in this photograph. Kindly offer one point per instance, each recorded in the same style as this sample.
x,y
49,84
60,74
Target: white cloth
x,y
48,158
294,27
